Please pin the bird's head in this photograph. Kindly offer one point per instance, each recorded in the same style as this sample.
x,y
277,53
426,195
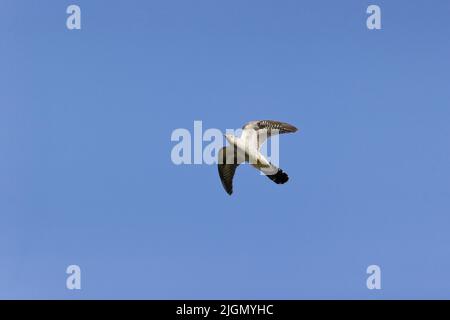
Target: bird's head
x,y
229,137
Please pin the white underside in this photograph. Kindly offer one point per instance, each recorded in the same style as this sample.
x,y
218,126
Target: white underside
x,y
248,148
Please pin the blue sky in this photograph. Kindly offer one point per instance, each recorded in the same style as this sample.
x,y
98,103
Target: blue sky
x,y
86,176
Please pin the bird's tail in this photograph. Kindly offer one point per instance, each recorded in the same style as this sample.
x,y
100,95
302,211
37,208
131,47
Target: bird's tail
x,y
279,177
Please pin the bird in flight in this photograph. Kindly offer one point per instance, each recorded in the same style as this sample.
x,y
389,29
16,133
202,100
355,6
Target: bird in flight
x,y
247,149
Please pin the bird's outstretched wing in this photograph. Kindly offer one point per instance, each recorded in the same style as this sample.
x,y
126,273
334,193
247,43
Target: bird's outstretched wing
x,y
261,130
227,165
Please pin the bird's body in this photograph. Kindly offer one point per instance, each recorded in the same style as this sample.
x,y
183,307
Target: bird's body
x,y
246,149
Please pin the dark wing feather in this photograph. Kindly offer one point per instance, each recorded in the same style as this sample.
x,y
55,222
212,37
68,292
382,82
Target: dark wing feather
x,y
227,165
267,128
271,125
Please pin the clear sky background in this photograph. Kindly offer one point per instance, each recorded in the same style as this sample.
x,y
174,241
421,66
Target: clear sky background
x,y
86,176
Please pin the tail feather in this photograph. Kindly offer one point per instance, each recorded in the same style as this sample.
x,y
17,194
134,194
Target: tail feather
x,y
279,178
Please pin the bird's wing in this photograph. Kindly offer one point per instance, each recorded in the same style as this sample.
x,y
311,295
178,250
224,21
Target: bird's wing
x,y
227,165
261,130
